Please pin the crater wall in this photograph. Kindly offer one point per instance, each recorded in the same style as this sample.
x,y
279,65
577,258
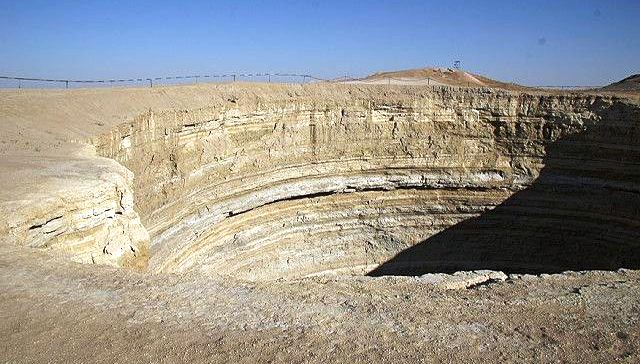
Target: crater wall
x,y
304,183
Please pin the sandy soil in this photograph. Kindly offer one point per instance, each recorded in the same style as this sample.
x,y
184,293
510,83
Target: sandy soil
x,y
52,310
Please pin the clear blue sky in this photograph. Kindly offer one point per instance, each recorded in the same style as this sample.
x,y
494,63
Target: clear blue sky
x,y
532,42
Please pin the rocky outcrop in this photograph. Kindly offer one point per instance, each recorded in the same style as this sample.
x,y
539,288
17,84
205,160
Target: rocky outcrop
x,y
78,206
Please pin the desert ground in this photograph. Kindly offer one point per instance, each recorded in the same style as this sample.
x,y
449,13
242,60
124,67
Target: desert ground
x,y
463,220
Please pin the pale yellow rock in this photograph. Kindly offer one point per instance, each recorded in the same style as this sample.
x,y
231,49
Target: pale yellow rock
x,y
289,181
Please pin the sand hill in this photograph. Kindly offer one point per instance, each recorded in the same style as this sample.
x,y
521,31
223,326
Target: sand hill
x,y
631,83
437,77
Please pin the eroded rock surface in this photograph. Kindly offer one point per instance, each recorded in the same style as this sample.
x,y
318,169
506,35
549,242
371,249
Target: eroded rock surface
x,y
267,182
78,206
473,206
291,186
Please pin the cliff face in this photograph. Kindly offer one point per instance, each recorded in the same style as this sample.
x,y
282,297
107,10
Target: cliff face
x,y
75,205
354,180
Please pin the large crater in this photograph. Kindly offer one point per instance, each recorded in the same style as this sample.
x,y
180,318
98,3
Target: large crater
x,y
387,183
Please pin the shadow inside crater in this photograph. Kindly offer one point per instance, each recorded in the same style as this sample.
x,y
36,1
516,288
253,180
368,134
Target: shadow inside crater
x,y
581,213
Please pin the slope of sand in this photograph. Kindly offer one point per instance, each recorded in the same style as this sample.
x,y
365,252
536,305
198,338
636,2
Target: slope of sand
x,y
435,77
631,83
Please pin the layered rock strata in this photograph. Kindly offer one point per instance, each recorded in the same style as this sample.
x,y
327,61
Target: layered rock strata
x,y
354,181
78,206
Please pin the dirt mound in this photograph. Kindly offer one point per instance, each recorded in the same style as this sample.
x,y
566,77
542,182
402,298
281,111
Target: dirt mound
x,y
438,76
631,83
